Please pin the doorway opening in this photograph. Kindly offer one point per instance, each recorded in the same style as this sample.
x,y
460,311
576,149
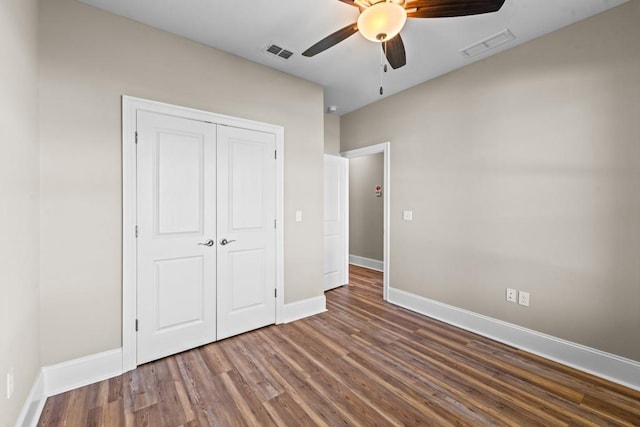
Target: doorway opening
x,y
364,241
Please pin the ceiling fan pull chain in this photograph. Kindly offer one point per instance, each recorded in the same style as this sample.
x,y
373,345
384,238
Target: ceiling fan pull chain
x,y
383,66
384,57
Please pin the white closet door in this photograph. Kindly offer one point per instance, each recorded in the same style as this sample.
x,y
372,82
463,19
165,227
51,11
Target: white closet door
x,y
246,220
176,163
336,221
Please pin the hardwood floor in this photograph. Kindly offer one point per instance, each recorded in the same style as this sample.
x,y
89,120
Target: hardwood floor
x,y
362,363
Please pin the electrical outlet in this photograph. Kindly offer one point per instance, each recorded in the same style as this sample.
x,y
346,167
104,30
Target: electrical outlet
x,y
523,298
511,295
10,383
407,215
298,216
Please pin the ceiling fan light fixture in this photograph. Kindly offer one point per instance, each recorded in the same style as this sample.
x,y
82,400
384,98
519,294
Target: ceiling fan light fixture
x,y
382,21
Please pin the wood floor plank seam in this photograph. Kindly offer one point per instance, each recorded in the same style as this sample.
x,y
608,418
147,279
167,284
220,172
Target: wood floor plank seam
x,y
486,382
559,402
472,397
328,369
408,394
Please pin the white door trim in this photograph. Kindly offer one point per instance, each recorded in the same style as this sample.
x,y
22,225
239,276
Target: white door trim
x,y
130,106
384,148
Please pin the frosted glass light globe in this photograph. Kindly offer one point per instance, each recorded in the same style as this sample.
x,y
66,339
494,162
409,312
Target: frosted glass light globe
x,y
382,21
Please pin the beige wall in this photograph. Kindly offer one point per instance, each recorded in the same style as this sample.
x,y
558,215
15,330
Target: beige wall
x,y
89,58
331,134
522,171
19,327
366,211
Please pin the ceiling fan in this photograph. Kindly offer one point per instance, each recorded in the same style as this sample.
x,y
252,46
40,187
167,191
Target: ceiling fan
x,y
381,21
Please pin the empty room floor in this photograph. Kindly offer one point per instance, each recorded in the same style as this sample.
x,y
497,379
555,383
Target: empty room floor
x,y
364,362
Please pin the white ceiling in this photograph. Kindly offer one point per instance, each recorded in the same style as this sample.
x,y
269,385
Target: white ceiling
x,y
350,71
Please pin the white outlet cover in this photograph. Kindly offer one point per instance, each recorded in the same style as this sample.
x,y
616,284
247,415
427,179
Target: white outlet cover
x,y
407,215
298,216
523,298
511,295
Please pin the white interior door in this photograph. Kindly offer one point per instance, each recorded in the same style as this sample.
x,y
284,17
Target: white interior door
x,y
336,221
176,163
246,220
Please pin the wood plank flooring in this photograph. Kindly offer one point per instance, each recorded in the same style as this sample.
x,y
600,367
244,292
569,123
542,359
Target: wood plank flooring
x,y
362,363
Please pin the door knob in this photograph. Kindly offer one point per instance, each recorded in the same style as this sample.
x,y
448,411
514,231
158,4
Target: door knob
x,y
224,242
208,243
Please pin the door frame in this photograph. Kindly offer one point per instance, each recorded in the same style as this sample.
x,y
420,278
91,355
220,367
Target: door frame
x,y
130,107
384,148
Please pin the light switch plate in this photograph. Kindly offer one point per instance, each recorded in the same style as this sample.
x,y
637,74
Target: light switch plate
x,y
10,383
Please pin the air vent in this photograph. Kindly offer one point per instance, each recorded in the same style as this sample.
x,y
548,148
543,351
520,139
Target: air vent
x,y
487,44
278,51
274,49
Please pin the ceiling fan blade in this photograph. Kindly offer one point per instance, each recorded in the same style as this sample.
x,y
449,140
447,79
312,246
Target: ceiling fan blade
x,y
394,50
331,40
349,2
451,8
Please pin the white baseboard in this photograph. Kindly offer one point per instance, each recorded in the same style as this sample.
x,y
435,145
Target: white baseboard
x,y
305,308
34,404
361,261
605,365
81,372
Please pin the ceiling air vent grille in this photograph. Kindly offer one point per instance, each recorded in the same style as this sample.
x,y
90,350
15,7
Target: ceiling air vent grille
x,y
489,43
278,51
